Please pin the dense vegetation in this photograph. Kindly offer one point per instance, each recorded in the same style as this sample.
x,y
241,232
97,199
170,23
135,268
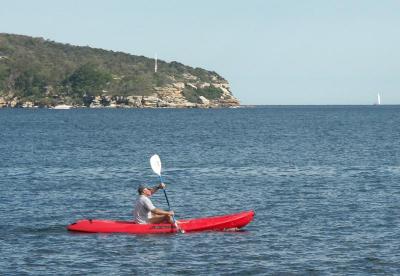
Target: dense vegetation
x,y
41,70
210,93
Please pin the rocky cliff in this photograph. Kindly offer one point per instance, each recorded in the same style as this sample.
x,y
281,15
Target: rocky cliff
x,y
35,72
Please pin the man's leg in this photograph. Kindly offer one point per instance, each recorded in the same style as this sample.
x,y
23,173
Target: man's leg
x,y
160,219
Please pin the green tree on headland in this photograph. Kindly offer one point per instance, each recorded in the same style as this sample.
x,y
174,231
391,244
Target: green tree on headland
x,y
86,80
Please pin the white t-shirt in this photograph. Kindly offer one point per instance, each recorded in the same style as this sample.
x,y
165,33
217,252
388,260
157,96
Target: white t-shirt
x,y
142,211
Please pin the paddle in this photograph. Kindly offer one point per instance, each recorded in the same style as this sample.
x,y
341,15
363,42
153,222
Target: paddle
x,y
155,164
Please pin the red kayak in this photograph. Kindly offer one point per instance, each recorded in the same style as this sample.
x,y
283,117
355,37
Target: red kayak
x,y
218,223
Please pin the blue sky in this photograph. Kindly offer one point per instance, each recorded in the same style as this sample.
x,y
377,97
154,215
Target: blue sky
x,y
271,52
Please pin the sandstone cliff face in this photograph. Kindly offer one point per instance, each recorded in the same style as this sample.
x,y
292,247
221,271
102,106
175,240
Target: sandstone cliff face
x,y
169,96
173,96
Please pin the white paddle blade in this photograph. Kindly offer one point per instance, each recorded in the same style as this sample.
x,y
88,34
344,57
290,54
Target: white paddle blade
x,y
155,164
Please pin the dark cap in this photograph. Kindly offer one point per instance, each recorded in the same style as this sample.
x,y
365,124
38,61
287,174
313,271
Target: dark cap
x,y
140,189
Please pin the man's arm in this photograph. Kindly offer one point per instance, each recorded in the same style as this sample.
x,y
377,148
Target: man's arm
x,y
156,188
158,211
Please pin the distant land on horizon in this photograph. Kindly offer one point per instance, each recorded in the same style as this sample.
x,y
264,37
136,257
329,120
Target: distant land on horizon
x,y
35,72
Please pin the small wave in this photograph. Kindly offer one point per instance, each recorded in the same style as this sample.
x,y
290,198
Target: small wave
x,y
393,169
264,171
34,230
65,172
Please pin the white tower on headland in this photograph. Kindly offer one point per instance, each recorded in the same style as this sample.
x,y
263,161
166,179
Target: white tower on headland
x,y
155,63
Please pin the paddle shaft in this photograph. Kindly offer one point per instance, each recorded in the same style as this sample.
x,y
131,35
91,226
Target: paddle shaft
x,y
169,206
166,197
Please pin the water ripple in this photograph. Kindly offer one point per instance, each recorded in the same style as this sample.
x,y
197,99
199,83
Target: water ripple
x,y
322,180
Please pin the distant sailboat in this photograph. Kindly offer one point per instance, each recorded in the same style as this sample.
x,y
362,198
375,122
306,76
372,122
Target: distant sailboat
x,y
378,102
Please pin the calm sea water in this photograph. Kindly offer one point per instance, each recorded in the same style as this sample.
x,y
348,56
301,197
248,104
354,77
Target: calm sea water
x,y
324,182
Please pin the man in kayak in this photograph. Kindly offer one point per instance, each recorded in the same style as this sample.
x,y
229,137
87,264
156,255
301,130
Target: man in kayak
x,y
146,212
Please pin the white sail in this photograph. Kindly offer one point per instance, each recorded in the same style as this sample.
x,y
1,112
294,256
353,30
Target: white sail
x,y
379,99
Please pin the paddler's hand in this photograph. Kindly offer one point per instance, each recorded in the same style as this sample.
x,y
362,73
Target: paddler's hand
x,y
171,213
161,186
